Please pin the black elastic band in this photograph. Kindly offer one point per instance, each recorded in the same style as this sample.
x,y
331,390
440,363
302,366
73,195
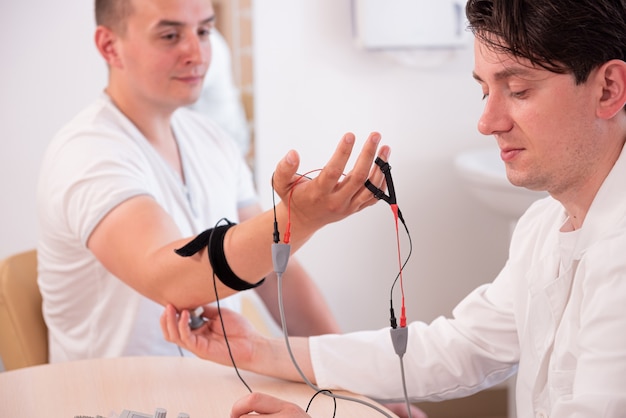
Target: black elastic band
x,y
213,240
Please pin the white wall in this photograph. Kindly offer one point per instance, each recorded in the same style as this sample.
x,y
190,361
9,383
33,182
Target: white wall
x,y
312,85
50,70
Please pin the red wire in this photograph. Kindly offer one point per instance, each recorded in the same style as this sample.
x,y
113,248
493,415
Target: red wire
x,y
288,229
394,209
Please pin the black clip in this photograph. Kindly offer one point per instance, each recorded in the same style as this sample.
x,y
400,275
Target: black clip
x,y
378,193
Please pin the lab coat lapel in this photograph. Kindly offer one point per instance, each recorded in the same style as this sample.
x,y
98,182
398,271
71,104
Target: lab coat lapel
x,y
547,302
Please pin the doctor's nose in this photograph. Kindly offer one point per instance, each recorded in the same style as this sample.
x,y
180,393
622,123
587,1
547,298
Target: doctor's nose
x,y
495,117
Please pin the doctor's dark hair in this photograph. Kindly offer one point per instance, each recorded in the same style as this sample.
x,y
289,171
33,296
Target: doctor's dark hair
x,y
113,13
562,36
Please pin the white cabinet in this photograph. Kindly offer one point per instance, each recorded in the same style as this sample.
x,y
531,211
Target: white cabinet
x,y
410,24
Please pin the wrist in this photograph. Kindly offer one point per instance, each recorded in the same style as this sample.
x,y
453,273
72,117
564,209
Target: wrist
x,y
294,228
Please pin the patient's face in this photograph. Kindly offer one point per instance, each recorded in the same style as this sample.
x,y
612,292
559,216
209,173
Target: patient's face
x,y
165,50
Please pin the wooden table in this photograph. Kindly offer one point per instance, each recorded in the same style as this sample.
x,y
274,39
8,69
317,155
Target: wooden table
x,y
107,387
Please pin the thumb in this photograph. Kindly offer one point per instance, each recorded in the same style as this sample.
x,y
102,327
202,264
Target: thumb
x,y
285,171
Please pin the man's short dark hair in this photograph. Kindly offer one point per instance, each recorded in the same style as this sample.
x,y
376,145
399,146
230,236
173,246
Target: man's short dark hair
x,y
113,14
562,36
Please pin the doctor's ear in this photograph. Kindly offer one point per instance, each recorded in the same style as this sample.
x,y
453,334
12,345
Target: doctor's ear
x,y
612,77
107,44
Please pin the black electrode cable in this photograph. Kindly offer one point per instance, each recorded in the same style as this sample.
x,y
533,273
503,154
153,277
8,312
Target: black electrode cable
x,y
230,353
219,311
314,396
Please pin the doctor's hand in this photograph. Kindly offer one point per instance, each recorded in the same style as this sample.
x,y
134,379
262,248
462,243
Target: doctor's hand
x,y
266,405
334,193
208,341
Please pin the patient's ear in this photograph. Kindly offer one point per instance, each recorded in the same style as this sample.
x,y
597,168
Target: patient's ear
x,y
612,77
106,42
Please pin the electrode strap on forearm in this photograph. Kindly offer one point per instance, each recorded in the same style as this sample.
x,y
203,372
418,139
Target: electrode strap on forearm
x,y
213,240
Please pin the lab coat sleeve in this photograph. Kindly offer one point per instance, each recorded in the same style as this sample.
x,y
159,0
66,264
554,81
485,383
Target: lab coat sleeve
x,y
448,358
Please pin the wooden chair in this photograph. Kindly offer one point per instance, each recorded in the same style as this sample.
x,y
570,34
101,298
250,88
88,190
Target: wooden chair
x,y
23,332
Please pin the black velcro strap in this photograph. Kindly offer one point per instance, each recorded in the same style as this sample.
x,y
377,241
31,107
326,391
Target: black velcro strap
x,y
195,245
213,240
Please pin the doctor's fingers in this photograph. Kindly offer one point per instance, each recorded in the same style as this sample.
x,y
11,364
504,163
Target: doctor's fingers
x,y
168,322
265,405
175,327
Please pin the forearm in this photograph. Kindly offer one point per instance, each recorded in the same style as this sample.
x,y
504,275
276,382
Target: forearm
x,y
271,357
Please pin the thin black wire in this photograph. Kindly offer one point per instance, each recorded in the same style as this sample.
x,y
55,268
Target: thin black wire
x,y
317,393
230,353
219,311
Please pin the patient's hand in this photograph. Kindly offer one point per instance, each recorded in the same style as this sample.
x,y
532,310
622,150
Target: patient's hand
x,y
335,193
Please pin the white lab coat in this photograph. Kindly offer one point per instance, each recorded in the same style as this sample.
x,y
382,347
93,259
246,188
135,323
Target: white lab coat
x,y
556,313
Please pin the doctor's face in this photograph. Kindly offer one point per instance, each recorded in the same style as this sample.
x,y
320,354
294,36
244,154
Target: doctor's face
x,y
545,125
165,51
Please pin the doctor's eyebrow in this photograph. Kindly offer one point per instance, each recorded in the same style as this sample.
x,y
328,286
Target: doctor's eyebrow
x,y
521,72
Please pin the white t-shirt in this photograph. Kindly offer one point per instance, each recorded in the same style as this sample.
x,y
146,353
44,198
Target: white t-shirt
x,y
96,162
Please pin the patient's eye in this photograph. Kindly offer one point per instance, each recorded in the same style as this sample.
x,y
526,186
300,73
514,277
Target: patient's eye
x,y
170,36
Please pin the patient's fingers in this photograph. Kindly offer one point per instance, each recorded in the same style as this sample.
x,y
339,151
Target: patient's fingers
x,y
377,178
363,164
334,169
285,171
